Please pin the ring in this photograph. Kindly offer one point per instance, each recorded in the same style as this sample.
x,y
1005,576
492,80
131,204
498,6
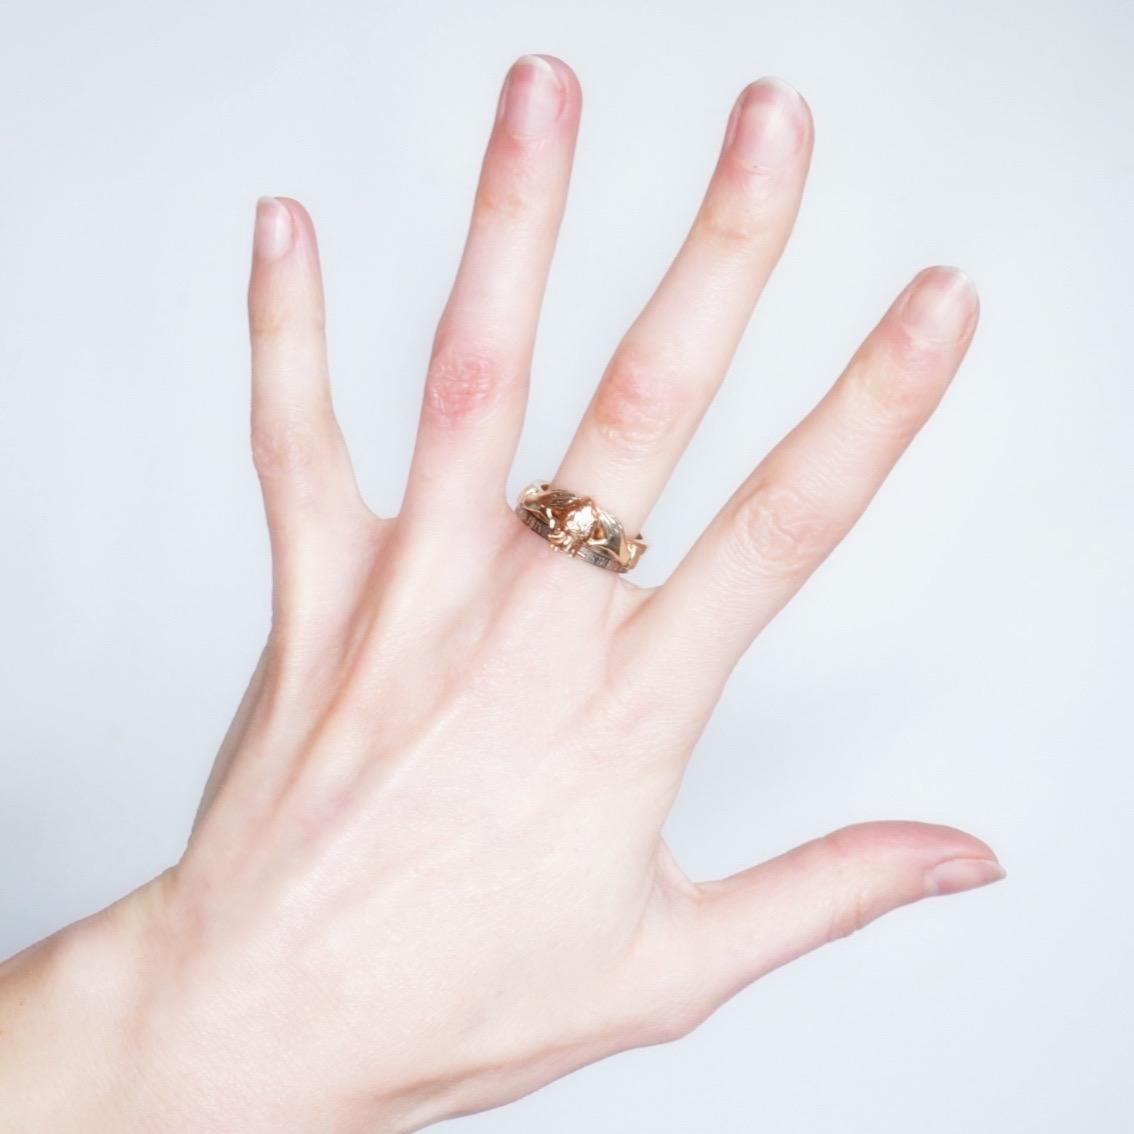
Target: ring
x,y
578,526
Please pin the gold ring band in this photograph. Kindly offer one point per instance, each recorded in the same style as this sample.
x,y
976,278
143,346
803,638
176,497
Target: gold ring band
x,y
578,526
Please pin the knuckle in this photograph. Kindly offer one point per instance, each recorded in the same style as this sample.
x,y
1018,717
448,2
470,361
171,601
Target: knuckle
x,y
265,322
743,207
850,906
504,196
271,322
669,1027
679,1015
662,1017
917,356
280,448
725,221
637,404
670,995
848,913
462,381
777,529
638,708
902,379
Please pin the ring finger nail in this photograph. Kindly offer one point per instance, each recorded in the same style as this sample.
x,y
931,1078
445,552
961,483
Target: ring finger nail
x,y
767,124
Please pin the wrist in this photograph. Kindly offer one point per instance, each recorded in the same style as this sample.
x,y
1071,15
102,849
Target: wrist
x,y
108,1025
67,1007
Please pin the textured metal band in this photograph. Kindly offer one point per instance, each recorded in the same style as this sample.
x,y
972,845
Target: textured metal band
x,y
544,529
577,526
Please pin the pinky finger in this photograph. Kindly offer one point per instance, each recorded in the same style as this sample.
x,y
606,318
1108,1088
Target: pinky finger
x,y
298,449
801,500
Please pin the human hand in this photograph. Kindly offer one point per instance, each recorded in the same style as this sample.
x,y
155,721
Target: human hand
x,y
427,875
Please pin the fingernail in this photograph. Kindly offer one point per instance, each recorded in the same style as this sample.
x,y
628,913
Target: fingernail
x,y
532,97
273,232
962,874
767,124
940,304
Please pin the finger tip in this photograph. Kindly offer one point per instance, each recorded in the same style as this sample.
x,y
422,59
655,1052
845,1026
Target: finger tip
x,y
938,306
572,88
954,280
956,843
932,857
929,843
299,214
302,225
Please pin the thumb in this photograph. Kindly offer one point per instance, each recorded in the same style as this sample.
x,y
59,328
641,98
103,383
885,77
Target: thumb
x,y
750,923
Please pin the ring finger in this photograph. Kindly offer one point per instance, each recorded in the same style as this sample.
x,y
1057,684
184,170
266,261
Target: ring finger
x,y
673,358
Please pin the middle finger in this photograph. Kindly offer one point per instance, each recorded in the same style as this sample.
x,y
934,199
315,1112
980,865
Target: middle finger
x,y
673,358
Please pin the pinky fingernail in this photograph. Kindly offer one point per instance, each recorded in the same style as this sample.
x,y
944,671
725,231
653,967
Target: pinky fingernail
x,y
962,874
940,303
273,231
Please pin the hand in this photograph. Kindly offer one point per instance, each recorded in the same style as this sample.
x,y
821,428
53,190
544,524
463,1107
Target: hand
x,y
427,875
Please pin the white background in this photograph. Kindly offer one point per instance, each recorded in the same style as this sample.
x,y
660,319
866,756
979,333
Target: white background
x,y
964,657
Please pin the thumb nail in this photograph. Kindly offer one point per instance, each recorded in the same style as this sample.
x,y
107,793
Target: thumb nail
x,y
962,874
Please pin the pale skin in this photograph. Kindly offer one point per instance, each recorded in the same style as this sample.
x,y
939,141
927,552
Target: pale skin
x,y
416,886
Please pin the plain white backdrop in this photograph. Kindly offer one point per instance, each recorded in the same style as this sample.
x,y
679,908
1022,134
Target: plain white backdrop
x,y
964,656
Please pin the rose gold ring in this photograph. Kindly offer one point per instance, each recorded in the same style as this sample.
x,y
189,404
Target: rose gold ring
x,y
578,526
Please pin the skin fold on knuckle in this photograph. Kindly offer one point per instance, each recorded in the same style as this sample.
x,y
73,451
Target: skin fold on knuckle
x,y
283,299
267,323
511,191
272,320
848,911
679,1003
776,529
664,1006
668,1025
850,900
896,386
742,211
638,404
464,380
283,448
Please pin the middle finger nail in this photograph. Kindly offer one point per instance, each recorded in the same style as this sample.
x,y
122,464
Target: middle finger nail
x,y
768,124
